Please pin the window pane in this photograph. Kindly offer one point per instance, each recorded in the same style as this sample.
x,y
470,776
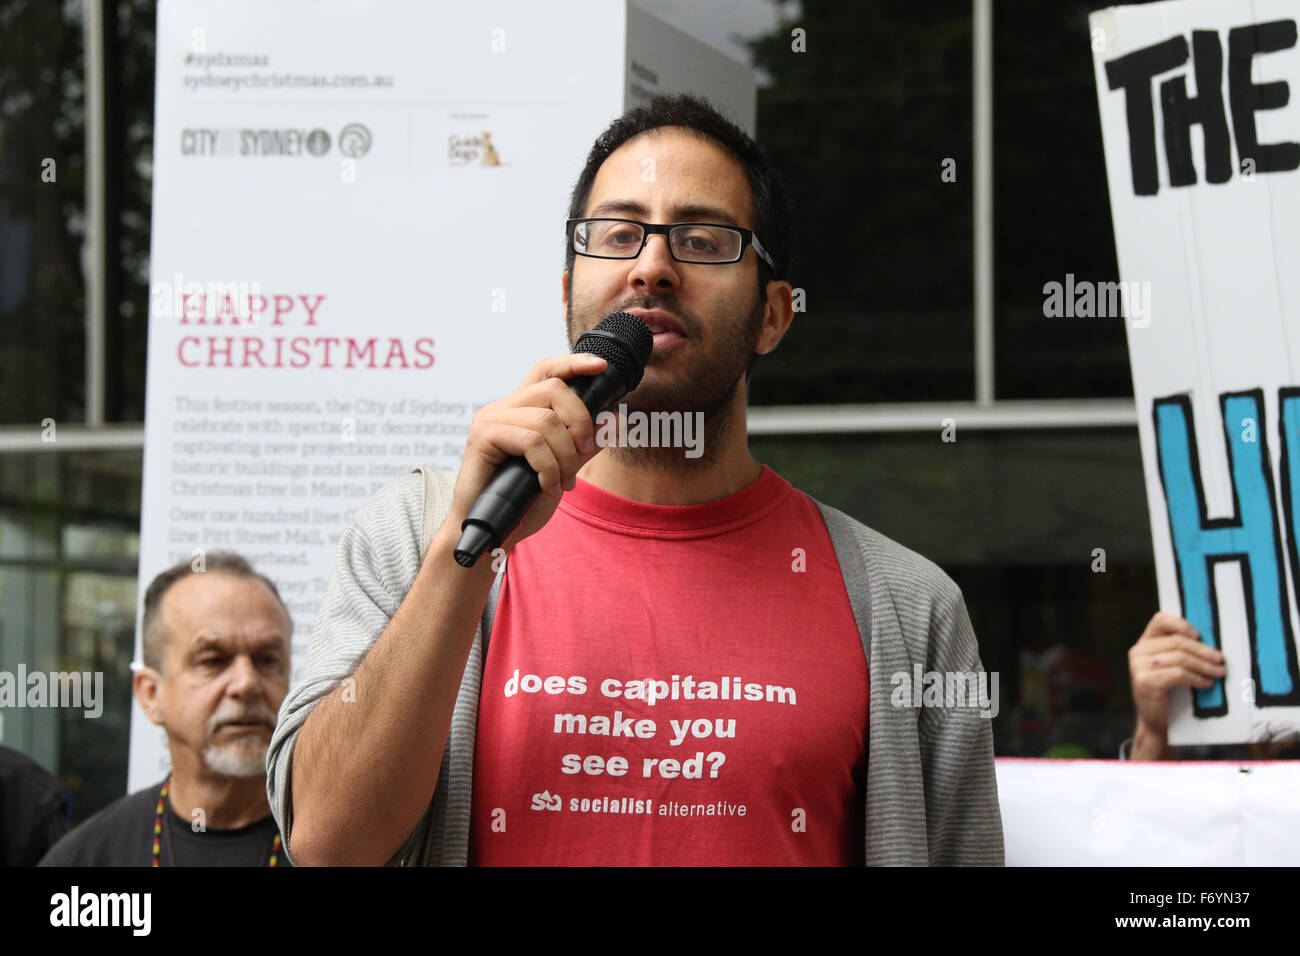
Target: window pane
x,y
861,125
1051,210
129,66
42,213
1015,519
69,550
98,638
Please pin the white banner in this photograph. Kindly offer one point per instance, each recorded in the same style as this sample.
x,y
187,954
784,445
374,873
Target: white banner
x,y
1202,138
1176,813
358,219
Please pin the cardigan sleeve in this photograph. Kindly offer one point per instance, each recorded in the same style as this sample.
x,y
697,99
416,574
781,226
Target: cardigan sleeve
x,y
963,818
378,559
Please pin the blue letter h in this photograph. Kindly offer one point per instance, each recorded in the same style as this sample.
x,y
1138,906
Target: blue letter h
x,y
1251,538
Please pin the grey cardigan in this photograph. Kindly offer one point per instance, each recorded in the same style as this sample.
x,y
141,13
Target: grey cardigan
x,y
931,792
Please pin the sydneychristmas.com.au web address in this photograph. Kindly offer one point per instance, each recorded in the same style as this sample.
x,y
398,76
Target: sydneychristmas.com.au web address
x,y
273,80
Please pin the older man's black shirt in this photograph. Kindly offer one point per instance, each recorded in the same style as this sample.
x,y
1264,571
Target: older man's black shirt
x,y
122,835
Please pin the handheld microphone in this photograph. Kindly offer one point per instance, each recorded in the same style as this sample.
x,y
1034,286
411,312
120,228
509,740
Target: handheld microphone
x,y
623,341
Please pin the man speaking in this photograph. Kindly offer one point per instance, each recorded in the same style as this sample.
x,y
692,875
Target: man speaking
x,y
687,660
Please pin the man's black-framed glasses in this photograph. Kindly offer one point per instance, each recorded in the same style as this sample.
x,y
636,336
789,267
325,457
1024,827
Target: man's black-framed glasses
x,y
702,242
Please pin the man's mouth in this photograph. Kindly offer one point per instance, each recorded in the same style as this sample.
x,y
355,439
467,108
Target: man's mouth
x,y
245,725
663,326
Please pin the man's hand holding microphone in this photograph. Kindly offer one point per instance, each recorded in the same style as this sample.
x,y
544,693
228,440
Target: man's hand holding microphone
x,y
365,767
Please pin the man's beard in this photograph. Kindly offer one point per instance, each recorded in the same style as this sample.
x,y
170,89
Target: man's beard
x,y
707,384
245,756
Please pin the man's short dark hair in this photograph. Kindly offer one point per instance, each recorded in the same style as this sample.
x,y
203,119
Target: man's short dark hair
x,y
155,640
773,211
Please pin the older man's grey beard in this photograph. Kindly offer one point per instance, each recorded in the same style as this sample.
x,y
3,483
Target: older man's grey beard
x,y
239,758
245,756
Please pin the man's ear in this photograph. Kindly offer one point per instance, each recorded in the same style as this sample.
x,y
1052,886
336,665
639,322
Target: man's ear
x,y
146,686
564,288
777,316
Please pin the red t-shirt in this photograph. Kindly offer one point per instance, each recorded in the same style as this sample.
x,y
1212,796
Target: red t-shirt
x,y
676,685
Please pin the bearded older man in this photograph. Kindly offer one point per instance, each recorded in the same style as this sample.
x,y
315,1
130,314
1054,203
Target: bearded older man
x,y
216,669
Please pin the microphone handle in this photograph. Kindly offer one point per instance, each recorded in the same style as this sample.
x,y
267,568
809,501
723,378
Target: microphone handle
x,y
515,486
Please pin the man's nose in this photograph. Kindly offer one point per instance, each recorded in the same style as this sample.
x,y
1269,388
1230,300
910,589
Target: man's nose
x,y
655,267
243,677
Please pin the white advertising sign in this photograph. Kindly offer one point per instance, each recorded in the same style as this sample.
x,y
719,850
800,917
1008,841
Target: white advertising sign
x,y
358,216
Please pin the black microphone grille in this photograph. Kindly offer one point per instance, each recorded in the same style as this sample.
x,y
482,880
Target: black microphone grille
x,y
622,340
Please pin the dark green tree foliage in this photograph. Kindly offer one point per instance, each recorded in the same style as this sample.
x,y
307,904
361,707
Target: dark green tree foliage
x,y
42,224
